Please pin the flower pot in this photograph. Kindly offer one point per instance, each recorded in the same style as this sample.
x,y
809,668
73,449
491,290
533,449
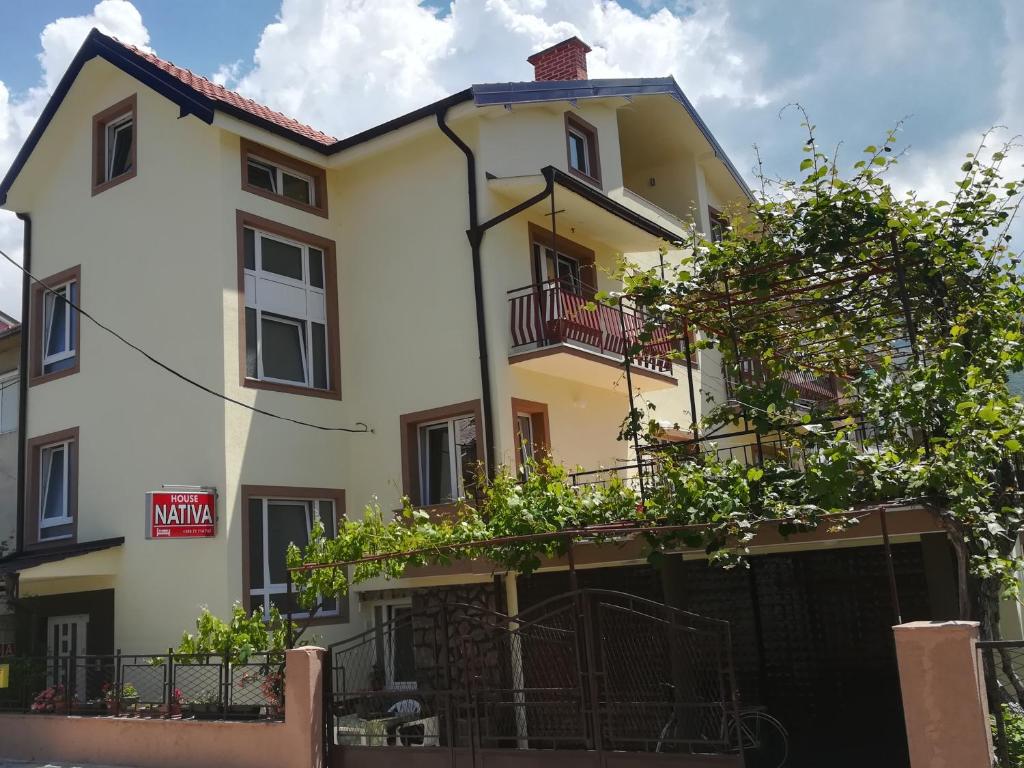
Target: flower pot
x,y
244,711
204,710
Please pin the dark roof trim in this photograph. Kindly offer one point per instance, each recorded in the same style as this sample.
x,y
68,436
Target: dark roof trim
x,y
14,330
598,198
489,94
21,561
400,122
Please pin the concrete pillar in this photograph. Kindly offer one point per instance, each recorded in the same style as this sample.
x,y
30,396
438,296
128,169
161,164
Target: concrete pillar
x,y
944,702
303,713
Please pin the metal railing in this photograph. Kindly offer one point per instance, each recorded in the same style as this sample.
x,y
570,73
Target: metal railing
x,y
170,685
808,389
1003,664
592,670
555,313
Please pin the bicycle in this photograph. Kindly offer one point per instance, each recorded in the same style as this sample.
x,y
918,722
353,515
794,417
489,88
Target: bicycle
x,y
762,739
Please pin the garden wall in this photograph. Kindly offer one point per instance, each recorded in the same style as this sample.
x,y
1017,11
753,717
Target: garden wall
x,y
295,743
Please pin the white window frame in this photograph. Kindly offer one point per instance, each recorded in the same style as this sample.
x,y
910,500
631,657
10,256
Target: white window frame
x,y
66,519
387,663
453,458
587,170
304,323
110,129
50,300
269,588
9,388
278,172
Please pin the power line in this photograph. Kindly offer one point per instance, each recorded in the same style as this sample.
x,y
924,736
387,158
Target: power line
x,y
360,427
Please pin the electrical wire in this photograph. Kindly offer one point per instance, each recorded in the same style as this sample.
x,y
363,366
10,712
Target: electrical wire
x,y
359,428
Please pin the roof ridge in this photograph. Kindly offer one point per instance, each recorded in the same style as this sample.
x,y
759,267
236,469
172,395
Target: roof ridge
x,y
212,90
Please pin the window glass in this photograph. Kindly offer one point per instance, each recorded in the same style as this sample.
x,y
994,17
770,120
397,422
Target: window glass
x,y
283,351
320,356
119,147
262,175
578,156
255,543
526,450
251,356
56,322
281,258
403,657
286,524
53,499
465,451
249,244
296,187
316,267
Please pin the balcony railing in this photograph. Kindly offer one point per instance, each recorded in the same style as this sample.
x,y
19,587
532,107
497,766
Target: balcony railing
x,y
552,313
809,389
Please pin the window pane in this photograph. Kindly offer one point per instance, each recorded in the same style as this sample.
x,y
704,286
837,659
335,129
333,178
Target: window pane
x,y
403,654
281,258
53,479
327,516
465,451
319,356
255,544
316,268
283,350
119,145
525,436
262,175
249,241
56,322
251,365
435,465
295,188
73,316
578,153
286,523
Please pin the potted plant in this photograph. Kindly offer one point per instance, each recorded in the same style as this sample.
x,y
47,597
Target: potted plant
x,y
49,699
120,697
205,705
272,688
173,706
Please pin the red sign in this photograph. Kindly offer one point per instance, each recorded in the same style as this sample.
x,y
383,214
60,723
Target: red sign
x,y
181,515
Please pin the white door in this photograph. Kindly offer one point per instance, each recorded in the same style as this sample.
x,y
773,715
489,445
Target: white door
x,y
65,637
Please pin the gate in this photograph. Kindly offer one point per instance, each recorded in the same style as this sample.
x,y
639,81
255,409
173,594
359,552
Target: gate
x,y
1003,664
599,678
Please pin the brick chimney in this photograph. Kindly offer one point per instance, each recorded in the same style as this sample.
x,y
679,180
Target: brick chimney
x,y
566,60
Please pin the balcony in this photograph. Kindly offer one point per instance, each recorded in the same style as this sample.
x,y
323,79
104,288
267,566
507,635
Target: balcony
x,y
555,333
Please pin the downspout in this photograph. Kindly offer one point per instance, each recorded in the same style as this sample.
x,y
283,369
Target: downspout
x,y
475,239
475,233
19,525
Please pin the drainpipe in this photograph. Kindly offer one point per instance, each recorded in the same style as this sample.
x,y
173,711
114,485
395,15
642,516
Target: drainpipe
x,y
475,233
19,535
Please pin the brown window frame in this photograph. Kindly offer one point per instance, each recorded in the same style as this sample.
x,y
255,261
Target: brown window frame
x,y
318,175
715,216
538,413
589,132
244,219
100,182
287,493
585,256
30,519
35,340
410,424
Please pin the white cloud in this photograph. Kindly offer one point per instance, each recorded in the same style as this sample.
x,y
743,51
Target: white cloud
x,y
59,41
343,65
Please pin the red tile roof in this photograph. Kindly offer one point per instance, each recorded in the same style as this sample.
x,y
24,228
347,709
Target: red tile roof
x,y
216,92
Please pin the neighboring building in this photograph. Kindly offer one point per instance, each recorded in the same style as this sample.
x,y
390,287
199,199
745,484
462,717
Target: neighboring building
x,y
332,281
10,351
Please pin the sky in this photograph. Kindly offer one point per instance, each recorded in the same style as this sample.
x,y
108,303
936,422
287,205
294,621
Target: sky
x,y
950,68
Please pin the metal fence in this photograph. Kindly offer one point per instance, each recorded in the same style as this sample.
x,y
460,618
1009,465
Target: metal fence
x,y
591,669
145,685
1003,664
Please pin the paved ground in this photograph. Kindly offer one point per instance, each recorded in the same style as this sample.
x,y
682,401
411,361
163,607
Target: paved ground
x,y
44,764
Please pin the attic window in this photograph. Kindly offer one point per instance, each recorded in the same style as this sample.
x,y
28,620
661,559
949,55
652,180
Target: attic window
x,y
114,138
285,179
581,146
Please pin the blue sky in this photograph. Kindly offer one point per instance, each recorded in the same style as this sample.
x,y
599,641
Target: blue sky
x,y
953,68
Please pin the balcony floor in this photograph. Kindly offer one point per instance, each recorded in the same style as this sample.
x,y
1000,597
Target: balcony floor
x,y
577,362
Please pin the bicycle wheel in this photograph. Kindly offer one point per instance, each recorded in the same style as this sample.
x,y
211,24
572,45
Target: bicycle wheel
x,y
764,739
